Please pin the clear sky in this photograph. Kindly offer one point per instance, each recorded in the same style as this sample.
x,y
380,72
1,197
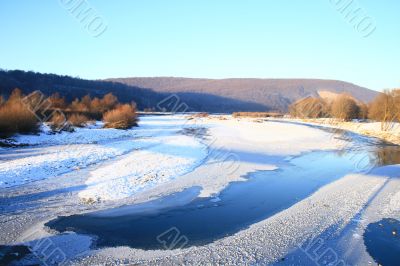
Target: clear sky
x,y
204,38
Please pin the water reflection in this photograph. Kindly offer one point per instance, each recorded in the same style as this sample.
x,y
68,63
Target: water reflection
x,y
241,204
382,241
387,155
375,152
207,219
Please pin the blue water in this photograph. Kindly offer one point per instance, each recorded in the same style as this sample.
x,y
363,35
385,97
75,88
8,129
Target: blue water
x,y
382,241
241,204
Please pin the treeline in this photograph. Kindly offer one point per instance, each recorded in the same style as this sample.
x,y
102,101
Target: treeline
x,y
384,108
75,87
23,113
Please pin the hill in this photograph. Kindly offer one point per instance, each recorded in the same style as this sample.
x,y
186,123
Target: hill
x,y
73,87
269,94
204,95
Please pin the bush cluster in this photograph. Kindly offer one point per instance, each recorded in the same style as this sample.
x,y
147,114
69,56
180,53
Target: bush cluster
x,y
20,114
122,117
15,116
384,108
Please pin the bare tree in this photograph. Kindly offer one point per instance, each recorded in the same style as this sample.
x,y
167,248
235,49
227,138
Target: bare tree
x,y
386,108
57,101
345,108
363,114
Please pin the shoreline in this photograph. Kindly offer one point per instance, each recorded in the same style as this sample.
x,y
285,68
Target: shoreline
x,y
368,129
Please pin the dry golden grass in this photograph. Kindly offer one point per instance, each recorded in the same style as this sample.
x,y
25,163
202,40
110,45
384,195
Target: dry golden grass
x,y
256,114
122,117
310,107
201,115
15,117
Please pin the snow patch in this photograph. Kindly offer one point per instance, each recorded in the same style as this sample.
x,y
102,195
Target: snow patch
x,y
171,157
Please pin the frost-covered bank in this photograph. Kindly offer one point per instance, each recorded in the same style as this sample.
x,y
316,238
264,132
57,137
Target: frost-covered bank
x,y
370,129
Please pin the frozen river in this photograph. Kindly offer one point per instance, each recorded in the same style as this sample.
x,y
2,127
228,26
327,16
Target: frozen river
x,y
216,191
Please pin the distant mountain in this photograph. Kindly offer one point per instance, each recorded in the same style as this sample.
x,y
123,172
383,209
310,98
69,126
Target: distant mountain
x,y
205,95
258,94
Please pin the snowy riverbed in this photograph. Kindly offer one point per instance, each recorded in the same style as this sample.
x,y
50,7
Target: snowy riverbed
x,y
59,175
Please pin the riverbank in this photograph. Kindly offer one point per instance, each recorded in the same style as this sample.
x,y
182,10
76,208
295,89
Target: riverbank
x,y
369,129
278,185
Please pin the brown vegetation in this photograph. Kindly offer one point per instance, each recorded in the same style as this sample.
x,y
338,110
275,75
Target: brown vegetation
x,y
309,108
386,108
256,114
201,115
122,117
15,116
345,108
82,111
57,101
59,122
78,120
363,112
94,108
19,114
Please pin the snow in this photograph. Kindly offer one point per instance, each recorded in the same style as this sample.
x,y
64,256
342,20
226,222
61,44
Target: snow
x,y
59,160
91,134
157,152
271,239
270,138
383,203
169,158
235,149
367,128
55,154
156,160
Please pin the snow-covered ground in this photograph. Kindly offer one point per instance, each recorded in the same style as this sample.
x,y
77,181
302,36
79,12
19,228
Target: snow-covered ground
x,y
169,154
390,131
51,155
165,159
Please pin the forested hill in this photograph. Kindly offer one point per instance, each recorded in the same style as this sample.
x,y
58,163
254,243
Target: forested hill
x,y
274,94
224,96
72,87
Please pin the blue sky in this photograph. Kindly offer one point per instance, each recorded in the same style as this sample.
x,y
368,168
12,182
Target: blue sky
x,y
207,38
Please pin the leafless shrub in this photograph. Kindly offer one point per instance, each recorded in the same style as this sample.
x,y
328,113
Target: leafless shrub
x,y
345,108
15,117
122,117
94,108
386,108
109,101
78,106
58,122
363,114
78,120
57,101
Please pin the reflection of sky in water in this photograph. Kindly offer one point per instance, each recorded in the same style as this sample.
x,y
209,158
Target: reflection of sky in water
x,y
367,152
382,241
239,205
